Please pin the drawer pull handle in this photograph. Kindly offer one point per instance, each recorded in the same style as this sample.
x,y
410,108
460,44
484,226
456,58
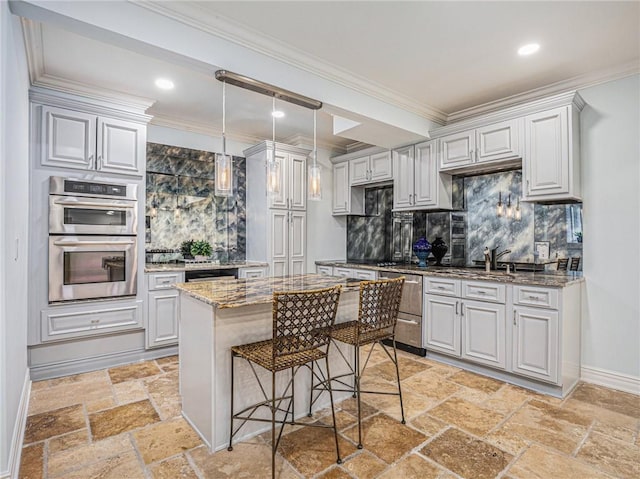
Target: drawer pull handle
x,y
456,308
482,292
440,287
415,323
411,282
95,321
534,298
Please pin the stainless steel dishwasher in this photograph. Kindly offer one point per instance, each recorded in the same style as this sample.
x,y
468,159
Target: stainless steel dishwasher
x,y
409,326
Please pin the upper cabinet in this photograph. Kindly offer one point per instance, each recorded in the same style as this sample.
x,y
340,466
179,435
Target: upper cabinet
x,y
371,168
475,147
292,171
551,170
346,200
417,184
71,133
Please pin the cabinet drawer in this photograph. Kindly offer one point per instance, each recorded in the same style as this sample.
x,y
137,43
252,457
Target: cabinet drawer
x,y
328,270
60,324
496,293
409,330
344,272
364,274
538,297
442,286
158,281
251,273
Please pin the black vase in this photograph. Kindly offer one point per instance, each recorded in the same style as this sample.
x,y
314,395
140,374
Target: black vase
x,y
438,249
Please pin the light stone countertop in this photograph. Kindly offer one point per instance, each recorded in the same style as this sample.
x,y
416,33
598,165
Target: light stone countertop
x,y
235,293
546,278
179,267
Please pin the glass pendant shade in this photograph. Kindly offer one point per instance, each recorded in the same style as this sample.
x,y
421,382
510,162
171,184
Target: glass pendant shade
x,y
509,210
224,163
315,185
273,166
518,213
500,207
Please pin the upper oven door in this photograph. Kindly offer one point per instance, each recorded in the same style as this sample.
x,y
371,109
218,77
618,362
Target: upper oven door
x,y
85,215
84,267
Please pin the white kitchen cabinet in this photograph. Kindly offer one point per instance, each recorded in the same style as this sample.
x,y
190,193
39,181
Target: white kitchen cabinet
x,y
162,325
550,164
321,269
484,332
535,343
346,200
443,324
252,272
292,177
495,142
356,273
288,231
372,168
417,184
84,141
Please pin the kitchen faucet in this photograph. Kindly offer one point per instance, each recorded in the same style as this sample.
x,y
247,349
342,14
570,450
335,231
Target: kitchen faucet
x,y
495,255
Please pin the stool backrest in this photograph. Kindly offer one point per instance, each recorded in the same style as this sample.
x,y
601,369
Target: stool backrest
x,y
379,303
575,263
562,264
302,320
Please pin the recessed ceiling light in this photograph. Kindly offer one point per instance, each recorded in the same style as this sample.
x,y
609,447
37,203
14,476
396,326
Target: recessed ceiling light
x,y
528,49
277,114
164,84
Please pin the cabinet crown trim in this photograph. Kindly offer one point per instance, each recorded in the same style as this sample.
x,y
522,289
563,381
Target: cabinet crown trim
x,y
518,111
358,154
267,145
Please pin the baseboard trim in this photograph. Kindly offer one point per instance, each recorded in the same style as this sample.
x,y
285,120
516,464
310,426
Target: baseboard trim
x,y
77,366
610,379
15,452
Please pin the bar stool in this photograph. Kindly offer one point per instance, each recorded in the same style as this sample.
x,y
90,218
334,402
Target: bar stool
x,y
377,316
302,322
562,264
574,264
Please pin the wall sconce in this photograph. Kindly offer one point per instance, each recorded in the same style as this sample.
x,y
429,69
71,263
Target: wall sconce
x,y
273,166
224,162
315,186
154,207
500,206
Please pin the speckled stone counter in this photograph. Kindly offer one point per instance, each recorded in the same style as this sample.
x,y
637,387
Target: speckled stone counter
x,y
234,293
551,279
163,267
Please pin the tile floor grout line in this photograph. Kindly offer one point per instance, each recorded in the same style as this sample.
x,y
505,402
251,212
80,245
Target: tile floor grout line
x,y
574,453
508,417
136,451
192,463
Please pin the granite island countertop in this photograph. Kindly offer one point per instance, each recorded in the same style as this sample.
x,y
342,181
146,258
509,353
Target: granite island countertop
x,y
235,293
180,267
545,278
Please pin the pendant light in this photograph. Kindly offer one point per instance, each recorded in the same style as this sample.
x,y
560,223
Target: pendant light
x,y
273,166
518,213
315,187
224,162
509,210
500,207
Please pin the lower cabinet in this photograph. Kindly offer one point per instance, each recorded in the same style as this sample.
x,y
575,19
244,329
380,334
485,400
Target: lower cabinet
x,y
252,272
535,343
357,273
443,324
484,333
162,309
328,270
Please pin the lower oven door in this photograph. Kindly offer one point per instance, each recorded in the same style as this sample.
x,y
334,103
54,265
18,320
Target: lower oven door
x,y
87,267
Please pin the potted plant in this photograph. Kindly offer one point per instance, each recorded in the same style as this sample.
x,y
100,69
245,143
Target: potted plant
x,y
185,249
201,250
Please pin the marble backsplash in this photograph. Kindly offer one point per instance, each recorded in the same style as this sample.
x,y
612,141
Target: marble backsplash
x,y
370,237
180,202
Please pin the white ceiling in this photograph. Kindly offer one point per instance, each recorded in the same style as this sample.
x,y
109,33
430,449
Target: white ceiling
x,y
441,57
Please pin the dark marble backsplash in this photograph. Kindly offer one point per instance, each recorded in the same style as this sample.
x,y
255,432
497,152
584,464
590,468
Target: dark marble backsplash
x,y
370,237
180,202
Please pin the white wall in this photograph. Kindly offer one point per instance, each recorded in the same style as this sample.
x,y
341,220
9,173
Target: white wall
x,y
14,195
611,221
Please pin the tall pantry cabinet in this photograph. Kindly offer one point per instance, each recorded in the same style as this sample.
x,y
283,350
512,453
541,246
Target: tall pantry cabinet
x,y
277,223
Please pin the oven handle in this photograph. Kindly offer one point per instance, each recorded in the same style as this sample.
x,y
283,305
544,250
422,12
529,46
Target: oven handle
x,y
109,206
90,243
407,321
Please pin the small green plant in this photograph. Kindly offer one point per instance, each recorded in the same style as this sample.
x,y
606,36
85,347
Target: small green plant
x,y
185,248
201,248
578,237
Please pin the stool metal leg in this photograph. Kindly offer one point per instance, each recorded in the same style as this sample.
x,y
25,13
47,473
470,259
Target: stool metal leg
x,y
395,360
357,383
356,362
333,410
311,394
293,397
273,425
230,448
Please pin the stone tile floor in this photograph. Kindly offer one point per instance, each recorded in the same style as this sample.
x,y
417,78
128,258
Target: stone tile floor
x,y
125,422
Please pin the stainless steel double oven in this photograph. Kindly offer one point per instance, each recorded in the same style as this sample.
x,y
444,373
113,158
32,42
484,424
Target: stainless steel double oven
x,y
92,239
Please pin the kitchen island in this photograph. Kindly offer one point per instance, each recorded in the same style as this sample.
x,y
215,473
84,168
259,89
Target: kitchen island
x,y
216,315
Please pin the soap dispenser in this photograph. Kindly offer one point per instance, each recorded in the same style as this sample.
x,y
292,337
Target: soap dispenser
x,y
487,259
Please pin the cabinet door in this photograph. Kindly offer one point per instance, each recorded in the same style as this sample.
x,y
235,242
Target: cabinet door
x,y
426,174
341,188
380,166
457,150
122,146
443,324
162,318
546,159
483,333
68,138
297,182
499,141
279,198
279,238
359,170
297,242
403,159
535,343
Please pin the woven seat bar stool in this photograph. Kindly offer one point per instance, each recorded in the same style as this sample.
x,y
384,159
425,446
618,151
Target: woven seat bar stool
x,y
302,322
377,317
562,264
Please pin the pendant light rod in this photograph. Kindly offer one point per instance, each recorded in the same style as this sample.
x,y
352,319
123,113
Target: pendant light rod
x,y
315,147
224,117
267,89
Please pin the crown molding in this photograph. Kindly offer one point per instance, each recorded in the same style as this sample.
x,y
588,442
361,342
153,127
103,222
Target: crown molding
x,y
564,86
265,146
307,142
356,146
189,13
32,35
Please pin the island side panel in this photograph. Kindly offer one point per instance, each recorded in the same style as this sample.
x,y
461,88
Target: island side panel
x,y
234,326
197,365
